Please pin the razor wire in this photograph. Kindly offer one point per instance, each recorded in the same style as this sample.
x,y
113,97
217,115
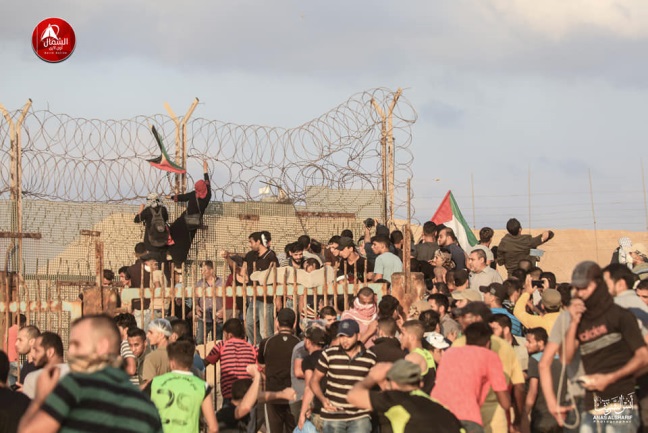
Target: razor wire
x,y
80,160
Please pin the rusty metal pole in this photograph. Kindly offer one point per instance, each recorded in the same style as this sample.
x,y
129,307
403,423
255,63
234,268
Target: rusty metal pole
x,y
391,154
383,154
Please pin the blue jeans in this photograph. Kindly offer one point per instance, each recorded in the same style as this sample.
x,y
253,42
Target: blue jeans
x,y
261,330
362,425
626,421
200,338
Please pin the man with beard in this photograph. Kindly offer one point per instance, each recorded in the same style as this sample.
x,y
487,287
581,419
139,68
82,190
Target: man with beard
x,y
48,350
70,405
343,366
25,341
612,349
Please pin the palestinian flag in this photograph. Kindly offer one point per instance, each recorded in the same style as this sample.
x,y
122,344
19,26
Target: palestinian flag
x,y
449,215
163,162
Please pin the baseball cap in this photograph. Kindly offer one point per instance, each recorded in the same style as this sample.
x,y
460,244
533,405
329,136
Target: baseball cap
x,y
286,317
496,289
404,372
489,254
584,273
345,243
551,298
348,327
437,340
469,294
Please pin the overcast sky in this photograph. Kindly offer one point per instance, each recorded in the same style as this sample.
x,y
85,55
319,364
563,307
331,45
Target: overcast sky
x,y
502,88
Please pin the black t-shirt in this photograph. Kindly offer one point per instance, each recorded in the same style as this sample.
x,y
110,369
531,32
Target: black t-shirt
x,y
260,263
12,407
227,419
358,266
541,419
27,368
276,352
416,413
309,363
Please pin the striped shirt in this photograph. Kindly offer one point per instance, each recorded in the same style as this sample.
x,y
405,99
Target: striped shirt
x,y
234,355
342,372
126,352
104,401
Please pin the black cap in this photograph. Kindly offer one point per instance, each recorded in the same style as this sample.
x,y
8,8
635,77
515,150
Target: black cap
x,y
345,243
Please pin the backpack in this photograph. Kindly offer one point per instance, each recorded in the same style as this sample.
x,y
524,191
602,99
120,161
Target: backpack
x,y
157,231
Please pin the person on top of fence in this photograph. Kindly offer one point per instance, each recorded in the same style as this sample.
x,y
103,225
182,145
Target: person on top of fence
x,y
154,216
183,229
515,246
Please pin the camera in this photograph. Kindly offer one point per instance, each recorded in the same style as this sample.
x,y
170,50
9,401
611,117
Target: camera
x,y
369,223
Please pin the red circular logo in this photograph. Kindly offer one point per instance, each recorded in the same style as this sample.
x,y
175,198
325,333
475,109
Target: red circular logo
x,y
53,40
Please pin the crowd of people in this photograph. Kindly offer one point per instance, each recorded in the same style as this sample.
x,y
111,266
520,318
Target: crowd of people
x,y
477,353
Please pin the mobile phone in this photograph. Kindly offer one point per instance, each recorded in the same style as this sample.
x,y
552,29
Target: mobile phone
x,y
537,284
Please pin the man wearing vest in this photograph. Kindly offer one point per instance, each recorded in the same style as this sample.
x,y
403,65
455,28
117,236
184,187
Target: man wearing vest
x,y
180,396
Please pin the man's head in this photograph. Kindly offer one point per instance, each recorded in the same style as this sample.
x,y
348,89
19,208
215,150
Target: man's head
x,y
587,276
179,328
158,332
404,375
380,244
94,343
642,291
233,328
461,279
513,288
207,269
108,277
258,241
348,333
474,312
26,339
548,280
439,303
536,340
296,252
429,231
431,320
124,277
387,327
396,238
501,325
465,297
346,247
366,296
478,334
618,278
315,338
514,227
285,318
638,252
388,306
328,315
239,389
48,349
124,321
486,235
551,300
181,354
140,249
447,237
477,260
412,334
137,341
494,294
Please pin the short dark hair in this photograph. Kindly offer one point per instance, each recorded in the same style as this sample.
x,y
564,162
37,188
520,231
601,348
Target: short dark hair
x,y
382,239
513,226
388,326
335,239
502,319
416,326
478,334
539,333
333,329
51,340
366,291
4,367
347,233
32,331
429,228
460,277
312,261
387,305
430,320
643,285
442,288
125,320
478,309
182,352
235,327
618,272
124,270
286,318
512,285
486,234
240,388
136,332
180,327
441,300
565,292
208,263
450,233
396,236
108,274
327,311
519,274
315,246
480,253
304,240
140,248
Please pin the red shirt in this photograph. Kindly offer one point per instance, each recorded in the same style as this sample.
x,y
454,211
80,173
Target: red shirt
x,y
11,348
234,355
463,379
